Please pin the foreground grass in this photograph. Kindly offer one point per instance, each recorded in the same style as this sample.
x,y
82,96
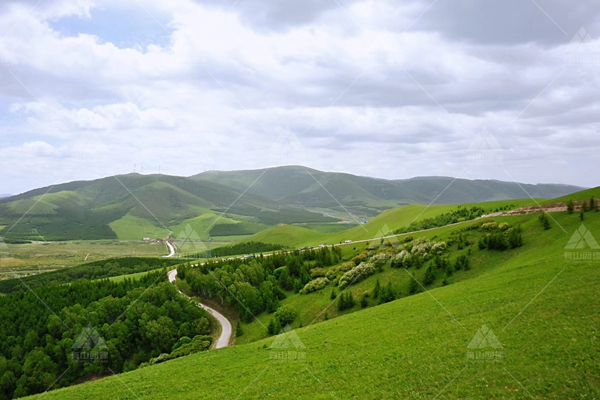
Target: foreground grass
x,y
543,311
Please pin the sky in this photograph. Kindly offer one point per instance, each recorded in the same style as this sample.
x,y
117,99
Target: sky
x,y
501,89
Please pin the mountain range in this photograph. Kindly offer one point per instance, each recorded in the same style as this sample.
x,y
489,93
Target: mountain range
x,y
232,203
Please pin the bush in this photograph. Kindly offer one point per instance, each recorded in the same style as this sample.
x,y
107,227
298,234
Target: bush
x,y
489,226
356,274
285,315
317,272
314,285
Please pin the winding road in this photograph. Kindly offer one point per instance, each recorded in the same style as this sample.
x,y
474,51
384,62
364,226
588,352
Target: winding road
x,y
225,337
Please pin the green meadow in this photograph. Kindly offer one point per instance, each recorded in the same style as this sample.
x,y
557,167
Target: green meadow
x,y
541,308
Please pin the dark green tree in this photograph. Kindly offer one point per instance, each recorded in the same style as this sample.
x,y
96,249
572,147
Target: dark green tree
x,y
544,220
429,275
570,207
376,289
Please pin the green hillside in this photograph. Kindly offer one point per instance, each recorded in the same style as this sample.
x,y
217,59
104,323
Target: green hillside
x,y
382,225
541,309
296,185
134,206
237,203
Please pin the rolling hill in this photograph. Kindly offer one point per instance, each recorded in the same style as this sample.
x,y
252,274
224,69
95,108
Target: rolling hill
x,y
133,206
300,186
524,326
231,204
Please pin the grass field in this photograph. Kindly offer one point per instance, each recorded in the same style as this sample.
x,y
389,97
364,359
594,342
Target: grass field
x,y
37,257
542,310
383,224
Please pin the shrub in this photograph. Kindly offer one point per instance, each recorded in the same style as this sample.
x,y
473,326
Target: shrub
x,y
356,274
285,315
317,272
503,226
489,226
314,285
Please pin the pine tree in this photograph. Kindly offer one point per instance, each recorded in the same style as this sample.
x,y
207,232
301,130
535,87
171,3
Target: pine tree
x,y
363,302
413,287
333,295
545,220
581,215
570,207
429,275
377,289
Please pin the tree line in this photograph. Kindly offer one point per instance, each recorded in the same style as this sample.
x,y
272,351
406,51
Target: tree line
x,y
252,286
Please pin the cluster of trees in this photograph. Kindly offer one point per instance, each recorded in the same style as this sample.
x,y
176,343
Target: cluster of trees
x,y
586,206
384,294
94,270
501,239
64,223
345,301
459,215
244,248
252,286
134,320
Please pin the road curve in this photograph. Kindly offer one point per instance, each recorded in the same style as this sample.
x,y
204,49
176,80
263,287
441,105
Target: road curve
x,y
223,340
171,251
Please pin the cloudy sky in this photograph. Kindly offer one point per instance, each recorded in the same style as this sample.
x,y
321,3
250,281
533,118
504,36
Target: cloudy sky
x,y
498,89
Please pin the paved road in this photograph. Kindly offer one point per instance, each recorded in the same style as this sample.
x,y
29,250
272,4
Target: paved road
x,y
225,337
171,251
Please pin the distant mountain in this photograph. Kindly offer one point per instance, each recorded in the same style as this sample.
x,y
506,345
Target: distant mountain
x,y
296,185
229,204
132,206
5,195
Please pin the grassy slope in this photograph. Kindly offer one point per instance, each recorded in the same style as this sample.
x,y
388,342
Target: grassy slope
x,y
294,236
414,347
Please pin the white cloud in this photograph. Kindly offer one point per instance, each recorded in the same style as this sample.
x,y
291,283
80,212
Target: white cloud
x,y
222,88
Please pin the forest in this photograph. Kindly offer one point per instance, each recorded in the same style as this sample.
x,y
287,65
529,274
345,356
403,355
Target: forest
x,y
258,284
70,333
92,270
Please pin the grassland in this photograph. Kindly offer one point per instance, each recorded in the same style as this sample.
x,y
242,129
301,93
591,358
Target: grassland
x,y
542,309
383,224
37,257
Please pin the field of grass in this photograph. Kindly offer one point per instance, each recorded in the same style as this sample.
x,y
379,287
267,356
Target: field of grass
x,y
131,227
542,309
383,224
36,257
